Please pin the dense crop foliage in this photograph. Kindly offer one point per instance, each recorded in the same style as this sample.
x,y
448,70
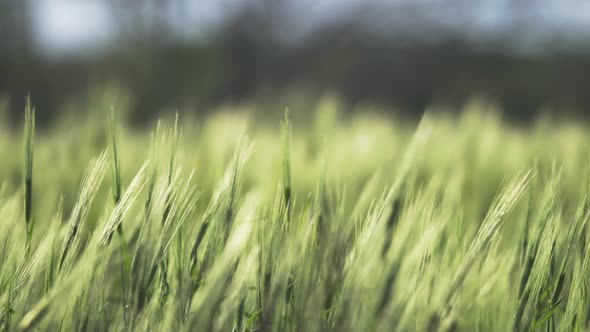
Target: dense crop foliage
x,y
335,222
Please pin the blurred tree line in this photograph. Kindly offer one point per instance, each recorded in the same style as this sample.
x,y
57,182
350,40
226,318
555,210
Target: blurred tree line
x,y
243,59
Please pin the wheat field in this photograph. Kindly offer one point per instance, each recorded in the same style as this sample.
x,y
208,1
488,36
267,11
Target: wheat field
x,y
316,221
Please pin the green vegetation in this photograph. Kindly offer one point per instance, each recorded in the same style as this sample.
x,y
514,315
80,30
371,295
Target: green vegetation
x,y
299,223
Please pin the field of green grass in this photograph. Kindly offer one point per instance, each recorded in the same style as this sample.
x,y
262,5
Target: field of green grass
x,y
315,221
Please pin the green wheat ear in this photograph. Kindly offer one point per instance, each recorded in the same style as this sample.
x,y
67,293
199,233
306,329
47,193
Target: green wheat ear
x,y
28,176
176,133
286,140
112,135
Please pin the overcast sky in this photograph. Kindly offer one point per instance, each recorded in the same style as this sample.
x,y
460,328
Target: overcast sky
x,y
63,26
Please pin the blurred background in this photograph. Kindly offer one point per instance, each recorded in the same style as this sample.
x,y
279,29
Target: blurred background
x,y
402,55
